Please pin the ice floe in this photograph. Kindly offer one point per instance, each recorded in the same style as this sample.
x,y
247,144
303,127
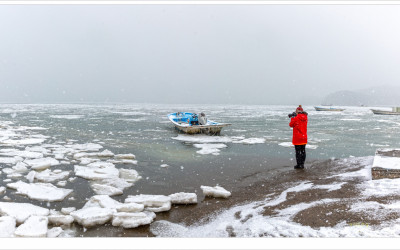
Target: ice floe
x,y
250,141
7,226
209,148
217,191
51,176
60,219
183,198
67,210
153,203
2,190
40,191
290,145
43,163
54,232
92,216
132,220
34,226
21,211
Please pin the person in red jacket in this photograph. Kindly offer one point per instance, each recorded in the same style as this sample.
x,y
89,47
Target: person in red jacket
x,y
299,124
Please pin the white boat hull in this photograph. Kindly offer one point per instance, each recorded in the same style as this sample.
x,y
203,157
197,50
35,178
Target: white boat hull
x,y
383,112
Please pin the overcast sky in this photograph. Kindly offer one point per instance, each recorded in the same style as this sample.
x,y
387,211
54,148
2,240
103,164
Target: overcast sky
x,y
244,54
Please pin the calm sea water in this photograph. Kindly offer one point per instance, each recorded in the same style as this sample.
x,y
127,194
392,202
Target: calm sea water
x,y
144,130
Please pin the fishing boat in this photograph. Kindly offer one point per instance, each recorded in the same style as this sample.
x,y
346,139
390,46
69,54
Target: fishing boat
x,y
182,122
395,111
327,109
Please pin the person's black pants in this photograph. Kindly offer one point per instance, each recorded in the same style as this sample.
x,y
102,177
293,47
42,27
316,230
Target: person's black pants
x,y
300,154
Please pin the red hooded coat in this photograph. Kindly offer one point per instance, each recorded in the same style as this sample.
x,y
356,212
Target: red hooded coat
x,y
299,125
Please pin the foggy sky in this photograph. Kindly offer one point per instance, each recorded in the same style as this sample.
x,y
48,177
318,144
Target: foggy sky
x,y
239,54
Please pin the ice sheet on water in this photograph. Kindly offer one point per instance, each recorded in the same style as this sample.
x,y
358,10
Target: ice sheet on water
x,y
183,198
68,117
40,191
51,176
34,226
60,219
101,189
92,216
132,220
54,232
67,210
290,145
97,171
125,156
9,160
250,141
213,149
2,190
202,139
217,191
86,147
7,226
21,211
153,203
41,164
24,154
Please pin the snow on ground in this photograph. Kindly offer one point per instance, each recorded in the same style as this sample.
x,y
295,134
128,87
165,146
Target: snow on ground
x,y
249,221
386,162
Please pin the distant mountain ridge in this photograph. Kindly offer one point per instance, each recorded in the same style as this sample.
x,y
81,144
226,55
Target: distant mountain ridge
x,y
375,96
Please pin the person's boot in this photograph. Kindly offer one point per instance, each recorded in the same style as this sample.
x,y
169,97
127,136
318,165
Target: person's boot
x,y
302,166
298,167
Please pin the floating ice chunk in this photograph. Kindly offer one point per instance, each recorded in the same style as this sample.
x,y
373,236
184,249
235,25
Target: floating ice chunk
x,y
215,191
14,176
102,201
85,147
54,232
164,165
51,176
38,149
106,190
2,190
8,170
153,203
34,226
67,210
59,156
40,191
97,171
92,216
129,175
60,219
86,161
61,183
43,163
202,139
8,160
68,117
31,176
130,207
7,226
20,167
24,141
290,145
183,198
125,156
132,220
21,211
251,141
122,161
209,148
24,154
106,153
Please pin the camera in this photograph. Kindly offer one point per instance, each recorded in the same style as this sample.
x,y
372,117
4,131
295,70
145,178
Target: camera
x,y
292,115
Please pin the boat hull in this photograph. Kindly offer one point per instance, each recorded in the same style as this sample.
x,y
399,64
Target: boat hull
x,y
327,109
181,124
383,112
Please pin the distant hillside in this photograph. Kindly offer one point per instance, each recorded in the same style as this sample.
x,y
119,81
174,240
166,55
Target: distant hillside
x,y
375,96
